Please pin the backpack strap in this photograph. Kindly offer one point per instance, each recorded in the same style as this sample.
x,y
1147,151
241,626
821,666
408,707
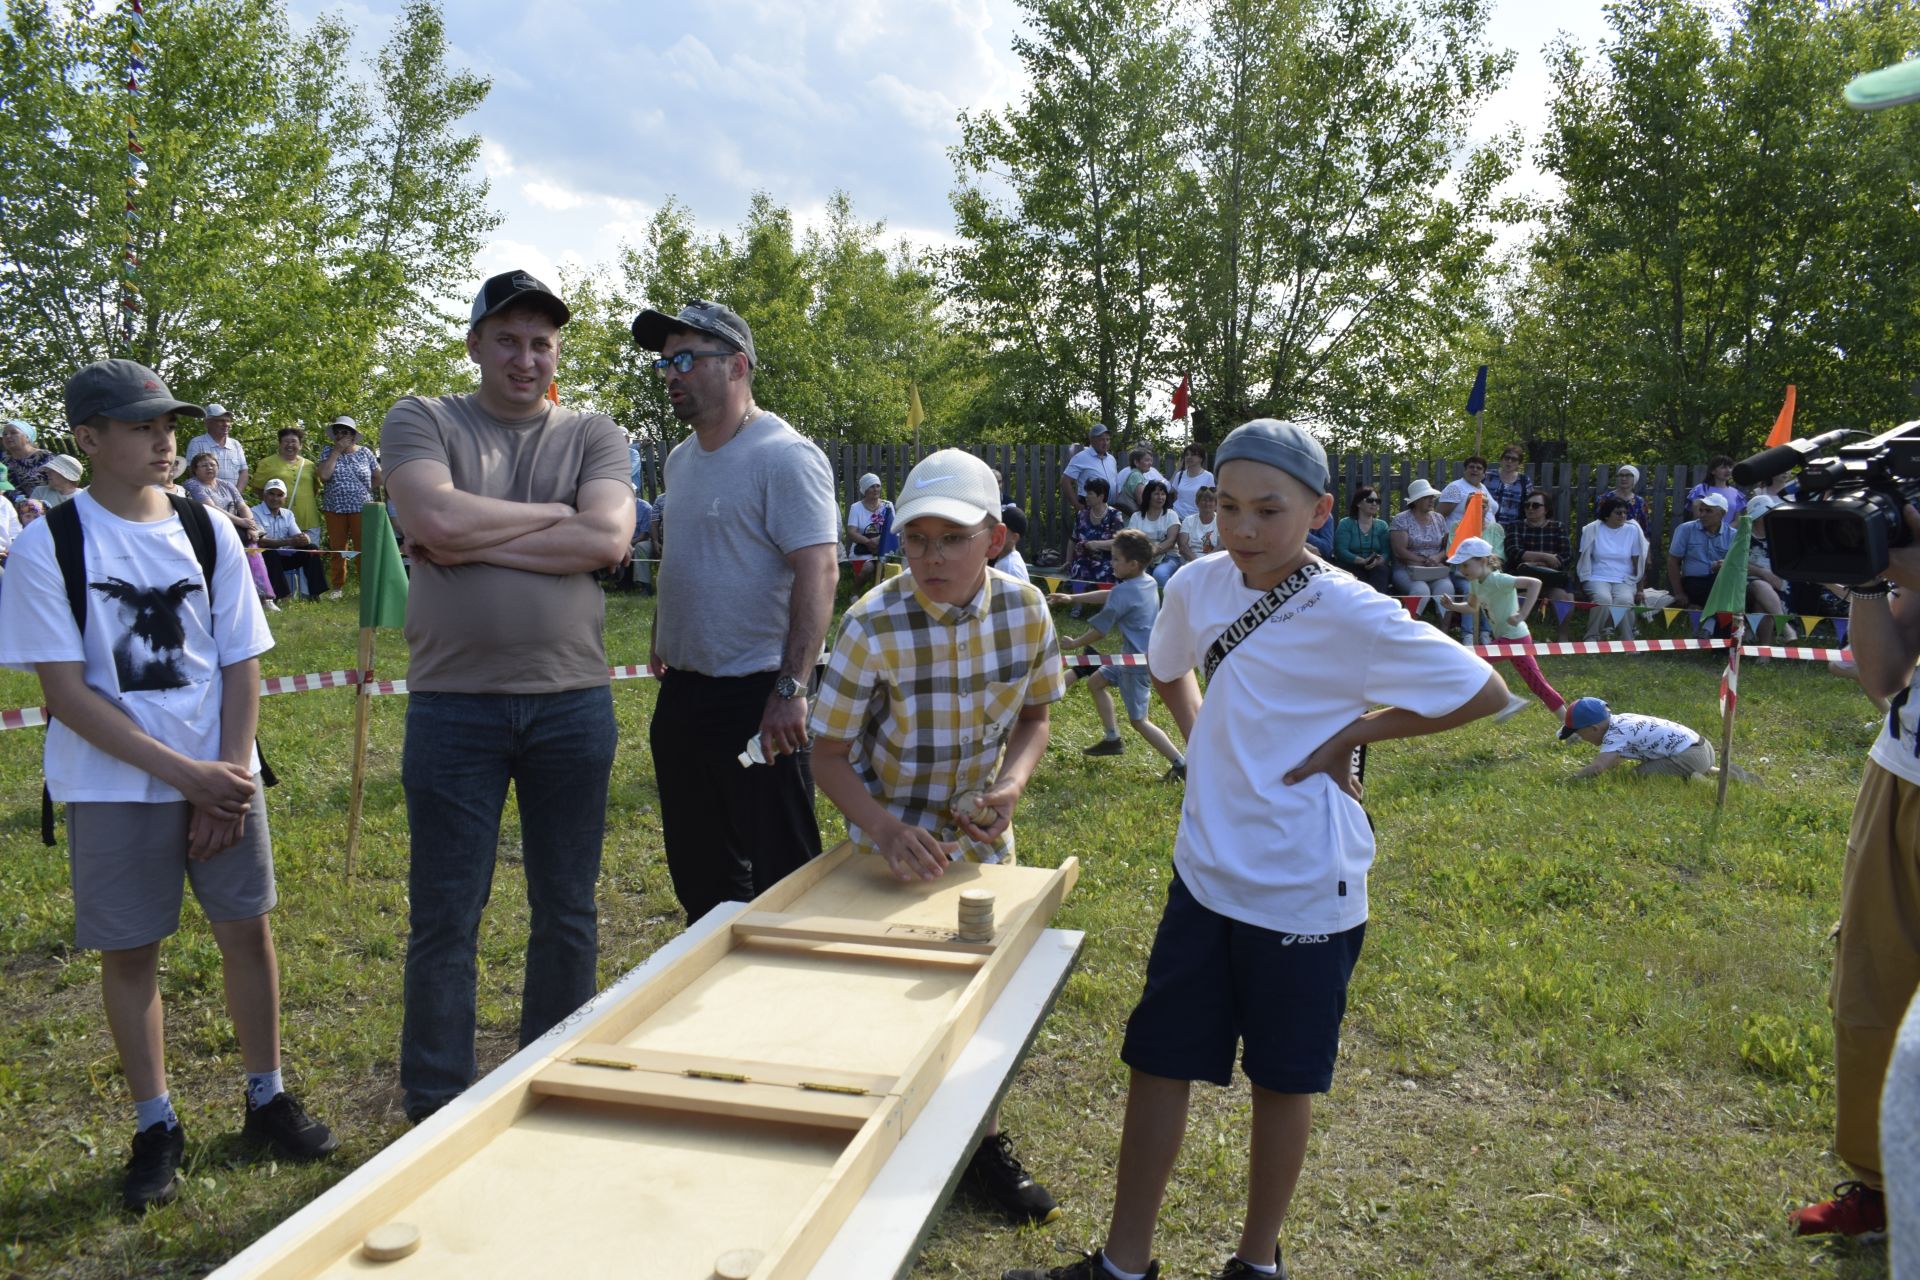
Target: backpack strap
x,y
199,526
70,553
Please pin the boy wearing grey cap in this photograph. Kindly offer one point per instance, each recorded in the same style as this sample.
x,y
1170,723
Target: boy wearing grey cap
x,y
1268,905
152,677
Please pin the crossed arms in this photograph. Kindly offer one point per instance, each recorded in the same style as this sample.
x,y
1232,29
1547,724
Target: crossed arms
x,y
447,527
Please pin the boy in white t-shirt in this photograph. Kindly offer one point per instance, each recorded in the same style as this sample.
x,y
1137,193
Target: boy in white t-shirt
x,y
154,703
1664,748
1268,905
1011,562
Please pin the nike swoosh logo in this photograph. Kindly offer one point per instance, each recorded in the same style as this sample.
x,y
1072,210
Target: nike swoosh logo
x,y
921,484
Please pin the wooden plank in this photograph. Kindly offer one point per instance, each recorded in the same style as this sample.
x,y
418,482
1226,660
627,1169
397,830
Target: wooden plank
x,y
743,1099
781,1073
760,924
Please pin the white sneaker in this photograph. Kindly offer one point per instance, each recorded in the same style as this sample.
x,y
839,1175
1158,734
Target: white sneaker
x,y
270,606
336,595
1515,705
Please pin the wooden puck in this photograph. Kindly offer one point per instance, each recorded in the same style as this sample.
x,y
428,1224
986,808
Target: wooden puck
x,y
976,898
390,1242
737,1264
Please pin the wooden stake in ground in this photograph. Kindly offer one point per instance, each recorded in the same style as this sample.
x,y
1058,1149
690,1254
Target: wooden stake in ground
x,y
1729,707
383,603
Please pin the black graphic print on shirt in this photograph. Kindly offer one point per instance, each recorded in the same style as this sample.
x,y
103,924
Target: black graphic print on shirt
x,y
150,653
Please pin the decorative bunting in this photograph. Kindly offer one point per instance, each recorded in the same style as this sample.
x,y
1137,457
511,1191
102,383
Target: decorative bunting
x,y
1839,629
1671,615
1693,619
1753,621
1808,622
1619,614
1561,608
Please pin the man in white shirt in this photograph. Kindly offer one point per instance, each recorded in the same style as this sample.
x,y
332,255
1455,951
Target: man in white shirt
x,y
1094,460
285,545
218,440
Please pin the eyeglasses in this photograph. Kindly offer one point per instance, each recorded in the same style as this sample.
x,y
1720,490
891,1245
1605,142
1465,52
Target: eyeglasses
x,y
1536,506
682,361
919,545
1370,498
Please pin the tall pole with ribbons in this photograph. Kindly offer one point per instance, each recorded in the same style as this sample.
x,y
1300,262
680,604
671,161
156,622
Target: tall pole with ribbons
x,y
383,603
1728,599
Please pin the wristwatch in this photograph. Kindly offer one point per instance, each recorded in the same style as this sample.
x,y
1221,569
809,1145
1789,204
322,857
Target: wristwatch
x,y
787,687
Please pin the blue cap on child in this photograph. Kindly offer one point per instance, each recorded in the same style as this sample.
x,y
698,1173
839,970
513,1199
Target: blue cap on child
x,y
1278,444
1584,713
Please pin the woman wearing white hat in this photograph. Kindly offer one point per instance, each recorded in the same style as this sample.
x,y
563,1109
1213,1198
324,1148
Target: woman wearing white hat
x,y
1625,477
1418,536
62,480
869,527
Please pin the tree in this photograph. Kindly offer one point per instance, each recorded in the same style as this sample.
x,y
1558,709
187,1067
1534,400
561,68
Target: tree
x,y
1326,268
1066,278
1727,227
291,228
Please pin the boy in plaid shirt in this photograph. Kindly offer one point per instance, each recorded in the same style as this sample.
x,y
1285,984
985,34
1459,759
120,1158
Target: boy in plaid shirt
x,y
939,687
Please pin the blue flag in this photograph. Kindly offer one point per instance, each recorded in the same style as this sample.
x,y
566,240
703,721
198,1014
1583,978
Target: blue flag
x,y
1477,402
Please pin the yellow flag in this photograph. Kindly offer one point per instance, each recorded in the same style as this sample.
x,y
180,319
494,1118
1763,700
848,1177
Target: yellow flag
x,y
915,414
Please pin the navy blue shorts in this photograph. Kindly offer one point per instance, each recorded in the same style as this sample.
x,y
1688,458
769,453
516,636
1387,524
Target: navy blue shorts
x,y
1213,982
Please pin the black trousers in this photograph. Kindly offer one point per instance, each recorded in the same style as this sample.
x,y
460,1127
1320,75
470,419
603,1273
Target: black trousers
x,y
279,561
731,831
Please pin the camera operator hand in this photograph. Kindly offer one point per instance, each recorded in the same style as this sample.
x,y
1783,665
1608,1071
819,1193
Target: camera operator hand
x,y
1883,631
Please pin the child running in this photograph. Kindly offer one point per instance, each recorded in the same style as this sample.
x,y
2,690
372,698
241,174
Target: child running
x,y
938,691
1507,600
1129,607
154,687
1268,904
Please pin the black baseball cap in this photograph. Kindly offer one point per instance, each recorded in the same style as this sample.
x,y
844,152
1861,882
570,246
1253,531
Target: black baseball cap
x,y
511,286
123,390
651,328
1014,518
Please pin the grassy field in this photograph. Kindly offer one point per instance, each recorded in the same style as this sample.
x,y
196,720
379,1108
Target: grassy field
x,y
1588,1036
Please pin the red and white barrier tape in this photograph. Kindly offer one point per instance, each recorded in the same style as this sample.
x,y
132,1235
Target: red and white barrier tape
x,y
309,682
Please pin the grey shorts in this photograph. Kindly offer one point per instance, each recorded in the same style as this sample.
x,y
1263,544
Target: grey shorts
x,y
129,861
1697,758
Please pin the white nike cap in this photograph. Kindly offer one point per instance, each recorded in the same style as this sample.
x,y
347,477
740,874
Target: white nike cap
x,y
950,484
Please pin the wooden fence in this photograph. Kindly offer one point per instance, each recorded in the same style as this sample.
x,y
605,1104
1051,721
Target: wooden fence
x,y
1033,483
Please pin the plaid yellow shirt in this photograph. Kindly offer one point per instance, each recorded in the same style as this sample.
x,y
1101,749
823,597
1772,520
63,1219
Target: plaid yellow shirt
x,y
927,693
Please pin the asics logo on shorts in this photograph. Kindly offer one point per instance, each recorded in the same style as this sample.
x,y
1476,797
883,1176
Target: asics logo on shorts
x,y
1303,939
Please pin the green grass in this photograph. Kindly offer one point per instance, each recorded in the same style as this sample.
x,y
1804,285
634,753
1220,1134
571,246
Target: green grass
x,y
1588,1036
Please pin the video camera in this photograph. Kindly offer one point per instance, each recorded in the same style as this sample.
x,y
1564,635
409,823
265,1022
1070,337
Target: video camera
x,y
1848,514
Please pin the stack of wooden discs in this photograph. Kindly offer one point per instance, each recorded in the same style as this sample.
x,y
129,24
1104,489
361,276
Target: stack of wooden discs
x,y
976,915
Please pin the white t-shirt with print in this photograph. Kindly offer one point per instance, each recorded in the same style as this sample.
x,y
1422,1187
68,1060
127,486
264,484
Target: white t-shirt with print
x,y
152,645
1155,527
1290,858
1634,737
1457,493
1198,531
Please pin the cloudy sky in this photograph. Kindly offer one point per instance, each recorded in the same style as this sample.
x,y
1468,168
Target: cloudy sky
x,y
601,109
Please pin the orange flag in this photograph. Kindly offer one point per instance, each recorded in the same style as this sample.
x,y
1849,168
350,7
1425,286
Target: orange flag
x,y
1782,425
1472,524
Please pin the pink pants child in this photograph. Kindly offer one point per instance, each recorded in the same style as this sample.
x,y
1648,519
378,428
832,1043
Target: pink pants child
x,y
1530,672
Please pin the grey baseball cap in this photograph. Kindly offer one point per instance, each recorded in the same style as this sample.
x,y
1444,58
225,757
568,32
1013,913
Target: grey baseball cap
x,y
511,286
651,328
1278,444
122,390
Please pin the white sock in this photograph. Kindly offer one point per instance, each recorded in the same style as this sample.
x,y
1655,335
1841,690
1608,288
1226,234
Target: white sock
x,y
1117,1273
263,1087
1113,735
1271,1269
155,1111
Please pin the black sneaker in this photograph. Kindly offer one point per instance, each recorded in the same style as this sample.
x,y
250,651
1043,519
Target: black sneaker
x,y
995,1174
1177,773
284,1125
1238,1270
1105,747
151,1172
1089,1267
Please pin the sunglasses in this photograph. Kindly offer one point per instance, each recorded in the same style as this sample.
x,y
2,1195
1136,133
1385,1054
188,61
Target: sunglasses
x,y
682,361
1536,506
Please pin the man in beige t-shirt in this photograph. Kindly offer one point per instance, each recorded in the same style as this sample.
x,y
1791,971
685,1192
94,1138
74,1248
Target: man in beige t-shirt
x,y
509,502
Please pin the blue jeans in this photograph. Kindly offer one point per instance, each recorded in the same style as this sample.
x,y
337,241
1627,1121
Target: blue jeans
x,y
461,751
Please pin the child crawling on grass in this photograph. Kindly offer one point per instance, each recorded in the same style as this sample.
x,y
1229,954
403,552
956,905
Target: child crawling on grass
x,y
1662,747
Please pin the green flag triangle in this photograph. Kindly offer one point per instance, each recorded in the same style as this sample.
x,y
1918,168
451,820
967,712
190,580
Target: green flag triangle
x,y
1729,594
383,580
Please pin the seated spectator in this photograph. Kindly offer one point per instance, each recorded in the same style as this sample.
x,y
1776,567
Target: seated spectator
x,y
1510,488
869,528
29,511
1625,477
62,474
1162,528
1766,590
1200,532
1093,529
1320,539
1011,562
1696,550
1539,547
1453,498
1360,543
1127,486
1720,480
1418,536
1192,477
1613,560
286,547
291,468
205,486
26,463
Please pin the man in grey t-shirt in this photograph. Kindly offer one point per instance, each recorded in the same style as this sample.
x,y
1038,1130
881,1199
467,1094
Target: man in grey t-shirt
x,y
745,591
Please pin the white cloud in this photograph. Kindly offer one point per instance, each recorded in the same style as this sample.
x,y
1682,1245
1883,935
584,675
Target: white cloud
x,y
551,195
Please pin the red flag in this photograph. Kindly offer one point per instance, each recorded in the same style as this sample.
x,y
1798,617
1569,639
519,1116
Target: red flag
x,y
1182,395
553,391
1782,425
